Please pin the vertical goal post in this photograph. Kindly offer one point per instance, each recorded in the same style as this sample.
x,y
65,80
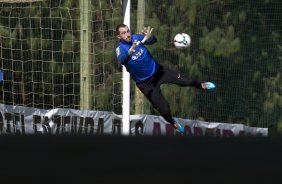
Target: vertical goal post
x,y
85,56
126,79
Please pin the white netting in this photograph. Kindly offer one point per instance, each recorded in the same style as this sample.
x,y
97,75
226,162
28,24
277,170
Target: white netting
x,y
40,54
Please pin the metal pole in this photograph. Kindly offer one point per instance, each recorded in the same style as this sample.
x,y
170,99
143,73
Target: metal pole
x,y
126,79
85,57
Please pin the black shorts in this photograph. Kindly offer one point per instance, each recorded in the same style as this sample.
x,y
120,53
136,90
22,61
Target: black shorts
x,y
151,87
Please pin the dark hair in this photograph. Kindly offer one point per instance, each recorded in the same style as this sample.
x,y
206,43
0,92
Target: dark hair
x,y
119,26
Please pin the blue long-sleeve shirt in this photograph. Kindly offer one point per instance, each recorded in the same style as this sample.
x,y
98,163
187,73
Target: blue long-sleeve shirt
x,y
141,65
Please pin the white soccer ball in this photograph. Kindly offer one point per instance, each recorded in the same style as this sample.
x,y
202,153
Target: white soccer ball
x,y
182,40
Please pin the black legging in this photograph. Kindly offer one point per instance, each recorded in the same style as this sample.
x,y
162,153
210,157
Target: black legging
x,y
151,89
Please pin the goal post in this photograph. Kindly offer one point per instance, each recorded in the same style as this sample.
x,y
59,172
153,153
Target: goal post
x,y
85,56
126,79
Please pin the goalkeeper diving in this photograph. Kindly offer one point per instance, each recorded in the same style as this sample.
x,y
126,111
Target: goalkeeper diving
x,y
148,74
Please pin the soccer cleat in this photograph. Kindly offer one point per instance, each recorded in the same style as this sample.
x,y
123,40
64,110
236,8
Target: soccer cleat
x,y
208,85
178,127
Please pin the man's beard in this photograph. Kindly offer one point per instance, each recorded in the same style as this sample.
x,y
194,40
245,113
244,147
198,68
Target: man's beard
x,y
128,39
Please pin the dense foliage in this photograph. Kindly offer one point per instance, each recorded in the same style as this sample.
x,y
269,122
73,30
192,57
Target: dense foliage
x,y
236,44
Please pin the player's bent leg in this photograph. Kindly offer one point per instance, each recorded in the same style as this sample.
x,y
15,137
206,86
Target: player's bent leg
x,y
173,122
174,77
159,102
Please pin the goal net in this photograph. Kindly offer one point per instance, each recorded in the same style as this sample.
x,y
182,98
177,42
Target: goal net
x,y
235,44
40,50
